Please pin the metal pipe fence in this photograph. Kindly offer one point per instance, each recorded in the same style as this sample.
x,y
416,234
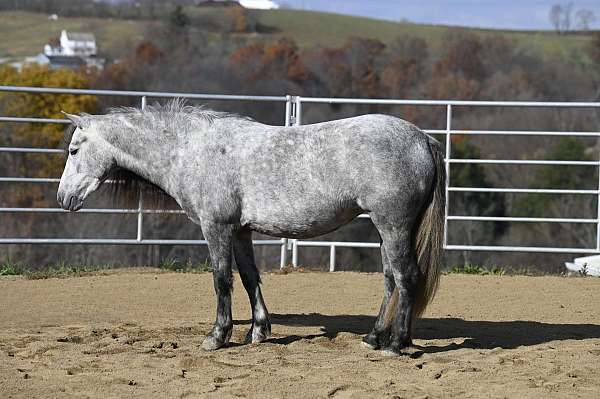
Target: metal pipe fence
x,y
293,117
448,132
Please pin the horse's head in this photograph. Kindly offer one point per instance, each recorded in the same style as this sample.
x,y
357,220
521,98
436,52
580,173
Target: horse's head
x,y
89,162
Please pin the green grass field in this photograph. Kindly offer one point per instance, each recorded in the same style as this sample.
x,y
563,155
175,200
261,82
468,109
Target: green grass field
x,y
25,33
323,29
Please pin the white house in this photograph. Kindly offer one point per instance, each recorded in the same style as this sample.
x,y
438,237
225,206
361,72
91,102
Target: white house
x,y
73,44
255,4
259,4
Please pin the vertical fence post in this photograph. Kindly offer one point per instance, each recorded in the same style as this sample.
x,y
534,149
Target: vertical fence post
x,y
140,210
298,113
332,258
284,241
288,110
598,212
295,252
140,215
447,164
297,122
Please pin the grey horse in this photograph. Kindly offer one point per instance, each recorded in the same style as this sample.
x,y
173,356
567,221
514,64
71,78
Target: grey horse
x,y
233,175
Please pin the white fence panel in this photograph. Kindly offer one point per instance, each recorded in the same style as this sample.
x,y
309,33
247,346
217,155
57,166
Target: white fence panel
x,y
293,116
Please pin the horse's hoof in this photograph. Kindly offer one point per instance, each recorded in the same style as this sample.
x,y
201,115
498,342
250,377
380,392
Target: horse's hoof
x,y
371,341
368,345
210,343
409,351
258,337
388,352
255,336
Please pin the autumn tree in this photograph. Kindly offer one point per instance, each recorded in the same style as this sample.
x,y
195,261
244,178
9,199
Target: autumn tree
x,y
399,76
44,105
411,48
133,72
351,70
35,135
464,57
459,72
332,71
362,55
275,60
238,17
404,67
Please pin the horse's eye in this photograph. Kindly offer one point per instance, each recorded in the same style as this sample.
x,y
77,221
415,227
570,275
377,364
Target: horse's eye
x,y
73,151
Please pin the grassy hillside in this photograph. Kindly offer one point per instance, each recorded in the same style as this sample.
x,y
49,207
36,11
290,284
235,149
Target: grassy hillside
x,y
24,33
313,28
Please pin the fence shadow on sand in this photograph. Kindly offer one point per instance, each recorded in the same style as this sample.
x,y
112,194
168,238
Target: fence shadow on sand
x,y
476,334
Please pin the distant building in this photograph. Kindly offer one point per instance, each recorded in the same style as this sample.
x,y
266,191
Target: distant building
x,y
71,50
217,3
73,44
259,4
253,4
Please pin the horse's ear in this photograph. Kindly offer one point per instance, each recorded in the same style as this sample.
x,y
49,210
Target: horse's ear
x,y
77,120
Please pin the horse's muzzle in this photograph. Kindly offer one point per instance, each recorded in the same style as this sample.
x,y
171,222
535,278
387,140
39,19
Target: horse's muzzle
x,y
71,203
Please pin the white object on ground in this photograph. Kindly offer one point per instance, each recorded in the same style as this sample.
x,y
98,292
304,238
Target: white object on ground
x,y
590,263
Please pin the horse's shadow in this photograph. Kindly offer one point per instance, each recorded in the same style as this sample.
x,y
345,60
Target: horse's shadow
x,y
475,334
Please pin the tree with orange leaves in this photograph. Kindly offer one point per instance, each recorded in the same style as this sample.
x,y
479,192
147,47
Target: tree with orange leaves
x,y
44,105
38,135
276,60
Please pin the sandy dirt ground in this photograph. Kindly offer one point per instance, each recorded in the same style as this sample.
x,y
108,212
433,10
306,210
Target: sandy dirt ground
x,y
137,334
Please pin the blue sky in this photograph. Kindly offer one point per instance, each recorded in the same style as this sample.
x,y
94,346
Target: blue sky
x,y
507,14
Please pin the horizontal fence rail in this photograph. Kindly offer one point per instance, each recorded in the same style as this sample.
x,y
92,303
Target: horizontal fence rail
x,y
444,103
140,211
293,117
511,133
447,133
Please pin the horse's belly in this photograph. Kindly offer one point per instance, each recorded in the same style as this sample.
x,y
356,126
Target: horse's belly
x,y
292,223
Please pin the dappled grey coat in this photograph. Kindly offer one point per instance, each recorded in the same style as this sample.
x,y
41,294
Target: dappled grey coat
x,y
233,175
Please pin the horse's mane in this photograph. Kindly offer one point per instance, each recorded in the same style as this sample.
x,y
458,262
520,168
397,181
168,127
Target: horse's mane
x,y
127,185
174,112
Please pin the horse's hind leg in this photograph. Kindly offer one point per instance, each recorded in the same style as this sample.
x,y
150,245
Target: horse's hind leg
x,y
244,257
379,336
397,241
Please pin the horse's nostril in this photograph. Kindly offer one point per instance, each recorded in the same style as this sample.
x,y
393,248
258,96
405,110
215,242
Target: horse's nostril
x,y
70,205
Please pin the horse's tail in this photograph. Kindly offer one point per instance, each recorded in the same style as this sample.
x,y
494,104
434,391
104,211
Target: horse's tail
x,y
428,240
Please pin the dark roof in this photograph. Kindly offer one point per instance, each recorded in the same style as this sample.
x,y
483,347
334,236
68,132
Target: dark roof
x,y
66,61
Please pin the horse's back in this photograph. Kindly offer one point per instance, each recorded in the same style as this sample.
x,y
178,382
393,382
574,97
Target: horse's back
x,y
371,153
310,179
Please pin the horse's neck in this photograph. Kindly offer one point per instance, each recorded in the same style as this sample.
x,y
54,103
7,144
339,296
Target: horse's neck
x,y
146,153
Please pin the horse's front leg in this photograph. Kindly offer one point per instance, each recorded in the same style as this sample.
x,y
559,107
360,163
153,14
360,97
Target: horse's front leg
x,y
219,237
244,257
